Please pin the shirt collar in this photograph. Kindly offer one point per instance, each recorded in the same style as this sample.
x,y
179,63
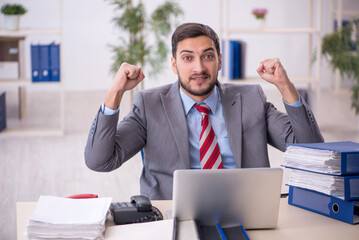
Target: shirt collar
x,y
212,101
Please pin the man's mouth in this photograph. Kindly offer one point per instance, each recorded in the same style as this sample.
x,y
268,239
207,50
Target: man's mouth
x,y
199,77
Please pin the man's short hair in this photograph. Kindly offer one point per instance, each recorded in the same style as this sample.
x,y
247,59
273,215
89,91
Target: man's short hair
x,y
192,30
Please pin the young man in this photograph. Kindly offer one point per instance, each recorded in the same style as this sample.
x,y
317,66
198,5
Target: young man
x,y
166,122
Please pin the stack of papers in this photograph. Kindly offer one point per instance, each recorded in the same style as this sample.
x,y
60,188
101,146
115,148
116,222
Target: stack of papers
x,y
317,160
159,230
65,218
328,184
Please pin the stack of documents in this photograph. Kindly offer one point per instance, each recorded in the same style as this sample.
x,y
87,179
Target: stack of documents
x,y
325,178
318,160
64,218
328,184
159,230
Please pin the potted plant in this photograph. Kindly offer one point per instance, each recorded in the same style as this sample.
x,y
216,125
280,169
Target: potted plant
x,y
12,13
342,48
260,15
136,30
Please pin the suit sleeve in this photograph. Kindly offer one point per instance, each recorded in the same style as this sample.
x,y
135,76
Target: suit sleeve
x,y
297,126
110,144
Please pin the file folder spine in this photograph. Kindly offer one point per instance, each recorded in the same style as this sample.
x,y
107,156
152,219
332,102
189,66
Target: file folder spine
x,y
239,60
349,163
231,60
44,63
35,63
350,184
54,62
349,154
2,111
324,204
351,187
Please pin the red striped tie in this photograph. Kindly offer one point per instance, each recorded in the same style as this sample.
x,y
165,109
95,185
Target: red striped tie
x,y
210,155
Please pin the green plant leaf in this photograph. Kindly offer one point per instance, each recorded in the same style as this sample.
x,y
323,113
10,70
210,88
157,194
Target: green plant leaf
x,y
13,9
137,28
343,54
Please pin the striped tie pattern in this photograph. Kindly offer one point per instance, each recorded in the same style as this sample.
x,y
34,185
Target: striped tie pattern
x,y
210,155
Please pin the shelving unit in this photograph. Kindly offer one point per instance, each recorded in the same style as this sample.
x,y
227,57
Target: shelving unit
x,y
312,80
22,83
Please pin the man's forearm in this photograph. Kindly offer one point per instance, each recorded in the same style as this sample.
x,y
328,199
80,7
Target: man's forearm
x,y
289,93
113,99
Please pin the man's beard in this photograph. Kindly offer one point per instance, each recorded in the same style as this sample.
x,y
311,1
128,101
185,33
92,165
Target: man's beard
x,y
200,92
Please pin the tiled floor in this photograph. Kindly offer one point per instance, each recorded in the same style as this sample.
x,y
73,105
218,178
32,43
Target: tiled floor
x,y
31,166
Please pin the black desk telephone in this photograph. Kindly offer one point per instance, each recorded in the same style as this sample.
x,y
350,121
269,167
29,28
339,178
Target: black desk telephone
x,y
138,210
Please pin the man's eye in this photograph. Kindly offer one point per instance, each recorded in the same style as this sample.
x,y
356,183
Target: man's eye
x,y
209,56
186,58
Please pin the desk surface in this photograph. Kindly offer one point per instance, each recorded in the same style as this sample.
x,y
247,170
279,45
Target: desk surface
x,y
293,223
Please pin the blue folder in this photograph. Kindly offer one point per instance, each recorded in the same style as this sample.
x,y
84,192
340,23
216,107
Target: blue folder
x,y
238,70
349,154
231,60
235,70
54,62
346,211
236,60
2,111
44,63
350,185
35,63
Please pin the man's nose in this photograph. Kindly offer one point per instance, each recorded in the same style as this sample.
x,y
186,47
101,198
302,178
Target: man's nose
x,y
199,66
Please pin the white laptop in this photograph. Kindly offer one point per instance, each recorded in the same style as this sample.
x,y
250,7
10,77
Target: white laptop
x,y
247,196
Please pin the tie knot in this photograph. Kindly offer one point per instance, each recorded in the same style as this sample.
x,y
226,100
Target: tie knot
x,y
202,108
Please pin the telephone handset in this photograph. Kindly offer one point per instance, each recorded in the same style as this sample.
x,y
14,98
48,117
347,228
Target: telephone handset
x,y
138,210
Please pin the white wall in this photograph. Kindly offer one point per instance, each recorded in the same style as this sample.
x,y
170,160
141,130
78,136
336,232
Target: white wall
x,y
87,30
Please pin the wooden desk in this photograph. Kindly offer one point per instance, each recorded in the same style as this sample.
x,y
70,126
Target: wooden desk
x,y
293,223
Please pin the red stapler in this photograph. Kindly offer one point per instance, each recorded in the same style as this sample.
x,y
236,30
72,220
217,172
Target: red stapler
x,y
83,196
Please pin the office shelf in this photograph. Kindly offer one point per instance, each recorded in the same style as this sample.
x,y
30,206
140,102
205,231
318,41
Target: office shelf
x,y
300,80
312,79
27,32
22,83
30,131
25,82
273,30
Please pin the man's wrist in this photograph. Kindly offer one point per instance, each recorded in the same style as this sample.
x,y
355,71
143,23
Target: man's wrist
x,y
296,104
108,111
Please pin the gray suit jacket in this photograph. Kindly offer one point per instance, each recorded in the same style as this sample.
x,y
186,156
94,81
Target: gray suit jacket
x,y
157,124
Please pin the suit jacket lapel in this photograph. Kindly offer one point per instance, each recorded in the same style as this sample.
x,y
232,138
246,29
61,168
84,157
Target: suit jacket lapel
x,y
174,112
232,112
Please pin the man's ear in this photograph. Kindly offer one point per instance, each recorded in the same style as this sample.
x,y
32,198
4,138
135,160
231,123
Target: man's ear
x,y
219,62
173,64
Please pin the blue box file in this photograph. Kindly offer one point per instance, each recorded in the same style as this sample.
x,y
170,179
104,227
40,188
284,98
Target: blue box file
x,y
235,60
2,111
35,63
349,154
346,211
54,62
351,186
44,63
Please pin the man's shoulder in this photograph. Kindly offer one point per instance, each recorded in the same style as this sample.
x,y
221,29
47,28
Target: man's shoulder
x,y
240,88
158,90
154,95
